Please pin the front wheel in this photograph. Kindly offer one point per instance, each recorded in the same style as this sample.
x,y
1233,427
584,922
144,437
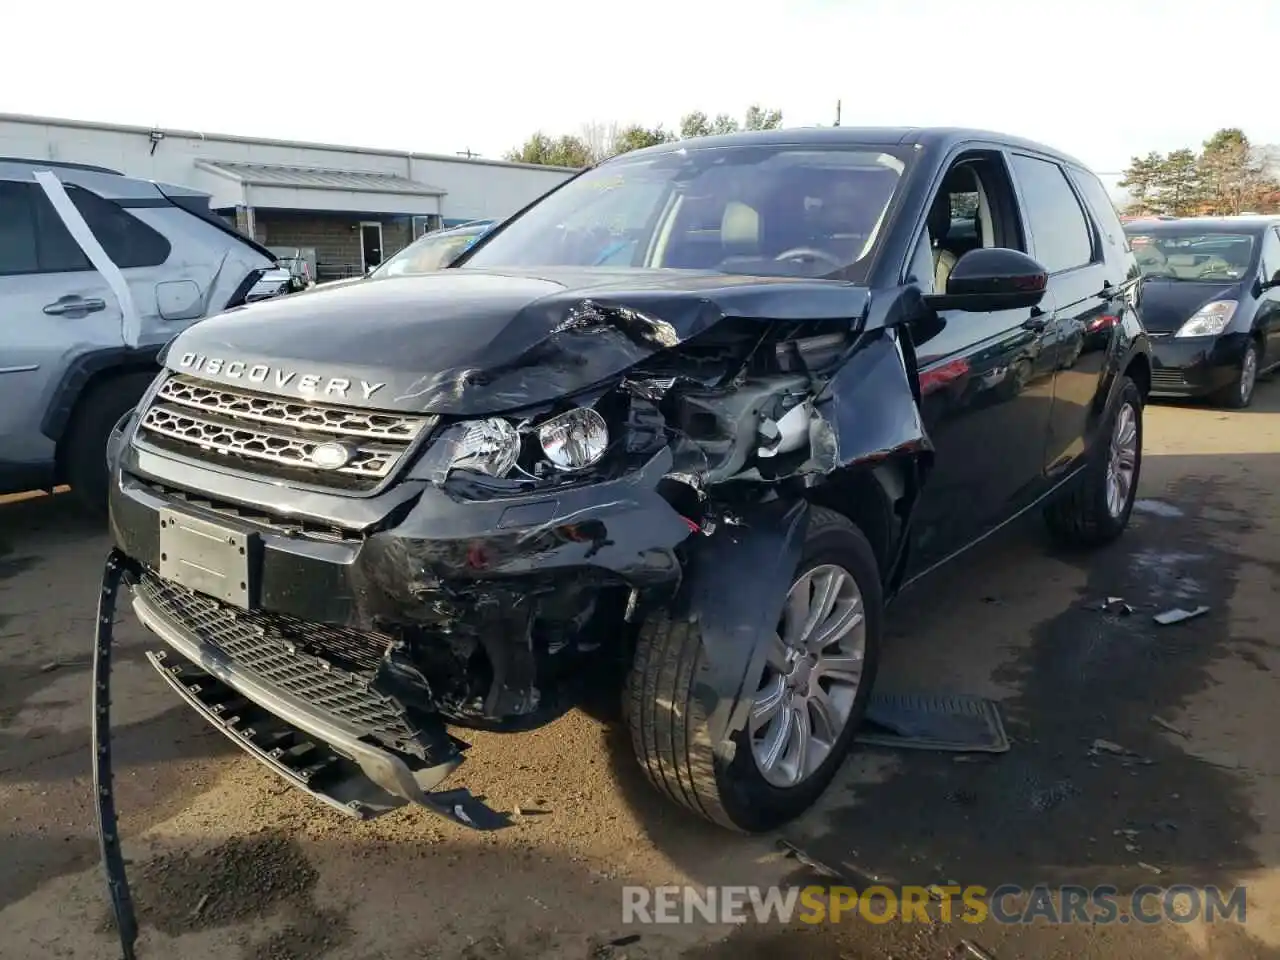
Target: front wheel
x,y
1239,393
1096,509
806,706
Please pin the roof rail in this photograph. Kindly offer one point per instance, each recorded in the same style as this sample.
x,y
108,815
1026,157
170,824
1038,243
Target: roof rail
x,y
62,165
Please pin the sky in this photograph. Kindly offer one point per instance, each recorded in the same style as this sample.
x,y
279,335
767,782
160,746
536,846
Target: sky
x,y
1085,76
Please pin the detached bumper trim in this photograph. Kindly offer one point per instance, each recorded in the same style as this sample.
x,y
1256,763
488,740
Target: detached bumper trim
x,y
386,770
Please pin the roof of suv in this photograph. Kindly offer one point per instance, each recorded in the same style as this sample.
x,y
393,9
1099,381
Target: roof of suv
x,y
61,165
942,138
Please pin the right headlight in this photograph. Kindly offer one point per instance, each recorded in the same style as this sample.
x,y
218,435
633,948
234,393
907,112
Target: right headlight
x,y
575,439
1210,320
489,446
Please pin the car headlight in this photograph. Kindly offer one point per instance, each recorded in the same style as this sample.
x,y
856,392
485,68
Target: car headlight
x,y
574,440
1210,320
489,446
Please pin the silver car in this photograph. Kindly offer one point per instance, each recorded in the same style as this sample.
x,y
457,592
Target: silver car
x,y
97,272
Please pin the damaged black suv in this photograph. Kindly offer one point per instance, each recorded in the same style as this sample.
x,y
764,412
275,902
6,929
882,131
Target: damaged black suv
x,y
701,411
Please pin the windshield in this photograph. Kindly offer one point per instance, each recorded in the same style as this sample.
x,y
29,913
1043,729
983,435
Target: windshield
x,y
775,210
432,251
1188,255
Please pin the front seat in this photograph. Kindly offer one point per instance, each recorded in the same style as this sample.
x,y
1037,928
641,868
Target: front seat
x,y
739,231
944,261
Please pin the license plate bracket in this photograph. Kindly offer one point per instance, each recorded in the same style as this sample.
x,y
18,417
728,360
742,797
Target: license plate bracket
x,y
211,558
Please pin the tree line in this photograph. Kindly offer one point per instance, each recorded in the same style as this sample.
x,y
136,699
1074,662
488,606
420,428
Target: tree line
x,y
1227,176
599,141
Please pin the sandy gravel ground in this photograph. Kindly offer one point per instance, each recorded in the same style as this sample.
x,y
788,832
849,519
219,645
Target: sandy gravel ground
x,y
227,863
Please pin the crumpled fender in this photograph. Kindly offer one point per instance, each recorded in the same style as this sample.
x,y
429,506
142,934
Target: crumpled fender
x,y
735,586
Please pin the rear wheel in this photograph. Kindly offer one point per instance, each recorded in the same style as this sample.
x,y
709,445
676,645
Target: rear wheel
x,y
84,445
1239,394
806,705
1096,509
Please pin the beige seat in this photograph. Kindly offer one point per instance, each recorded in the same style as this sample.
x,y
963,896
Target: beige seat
x,y
740,230
944,261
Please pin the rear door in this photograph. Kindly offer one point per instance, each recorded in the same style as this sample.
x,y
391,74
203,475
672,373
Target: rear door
x,y
53,306
1269,302
1082,289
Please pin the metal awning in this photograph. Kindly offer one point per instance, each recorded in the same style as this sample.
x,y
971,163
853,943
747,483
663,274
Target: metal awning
x,y
324,188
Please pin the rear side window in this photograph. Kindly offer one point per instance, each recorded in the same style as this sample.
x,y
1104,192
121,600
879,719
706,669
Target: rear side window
x,y
1104,210
127,240
1270,254
33,239
1060,233
17,230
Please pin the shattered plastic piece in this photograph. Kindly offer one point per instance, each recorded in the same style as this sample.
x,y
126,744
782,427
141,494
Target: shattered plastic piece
x,y
626,941
1106,746
1151,868
1178,615
967,948
1156,508
1170,727
1117,606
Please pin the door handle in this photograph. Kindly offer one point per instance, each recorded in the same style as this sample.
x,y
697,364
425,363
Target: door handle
x,y
1037,321
69,305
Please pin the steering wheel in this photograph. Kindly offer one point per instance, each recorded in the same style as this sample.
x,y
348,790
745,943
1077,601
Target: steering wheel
x,y
812,253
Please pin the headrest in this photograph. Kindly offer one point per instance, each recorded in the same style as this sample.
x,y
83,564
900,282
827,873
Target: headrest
x,y
740,224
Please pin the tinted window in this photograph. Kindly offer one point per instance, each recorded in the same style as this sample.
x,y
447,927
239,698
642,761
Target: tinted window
x,y
745,210
1270,254
1060,233
17,230
1104,210
127,240
1183,253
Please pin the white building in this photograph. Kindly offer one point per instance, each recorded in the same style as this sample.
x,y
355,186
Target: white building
x,y
352,206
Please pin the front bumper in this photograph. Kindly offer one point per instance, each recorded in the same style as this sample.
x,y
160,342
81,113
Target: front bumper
x,y
1194,366
417,555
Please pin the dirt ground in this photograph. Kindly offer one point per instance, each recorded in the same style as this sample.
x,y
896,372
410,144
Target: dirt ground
x,y
228,863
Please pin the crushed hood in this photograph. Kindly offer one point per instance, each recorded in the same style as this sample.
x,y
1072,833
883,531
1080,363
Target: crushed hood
x,y
465,342
1168,304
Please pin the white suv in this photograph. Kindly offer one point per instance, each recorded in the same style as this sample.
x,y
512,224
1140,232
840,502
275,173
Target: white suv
x,y
97,272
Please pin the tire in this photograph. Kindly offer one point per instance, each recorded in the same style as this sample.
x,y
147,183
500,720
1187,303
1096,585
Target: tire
x,y
1081,517
84,445
1239,393
668,722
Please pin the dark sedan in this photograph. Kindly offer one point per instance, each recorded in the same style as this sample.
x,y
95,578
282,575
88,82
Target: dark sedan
x,y
1210,300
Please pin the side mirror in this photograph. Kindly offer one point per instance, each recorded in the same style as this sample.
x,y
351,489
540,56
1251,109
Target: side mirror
x,y
990,279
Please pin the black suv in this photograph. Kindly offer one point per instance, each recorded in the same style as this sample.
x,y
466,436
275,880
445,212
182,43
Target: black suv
x,y
699,412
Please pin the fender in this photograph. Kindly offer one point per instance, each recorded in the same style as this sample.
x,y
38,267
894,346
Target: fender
x,y
83,369
735,586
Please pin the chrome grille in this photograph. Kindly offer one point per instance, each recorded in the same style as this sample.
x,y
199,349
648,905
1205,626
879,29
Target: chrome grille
x,y
274,436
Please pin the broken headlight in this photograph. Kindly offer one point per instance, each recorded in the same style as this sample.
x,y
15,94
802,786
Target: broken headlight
x,y
498,447
489,446
575,439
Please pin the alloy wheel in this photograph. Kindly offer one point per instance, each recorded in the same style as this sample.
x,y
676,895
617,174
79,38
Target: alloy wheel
x,y
813,674
1122,464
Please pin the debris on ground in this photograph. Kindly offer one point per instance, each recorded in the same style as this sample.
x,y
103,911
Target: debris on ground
x,y
1170,727
626,941
1117,606
1107,746
967,948
1150,868
1178,615
1156,508
50,667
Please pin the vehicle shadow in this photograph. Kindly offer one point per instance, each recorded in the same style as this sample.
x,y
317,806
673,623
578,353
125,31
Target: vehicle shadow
x,y
1094,790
